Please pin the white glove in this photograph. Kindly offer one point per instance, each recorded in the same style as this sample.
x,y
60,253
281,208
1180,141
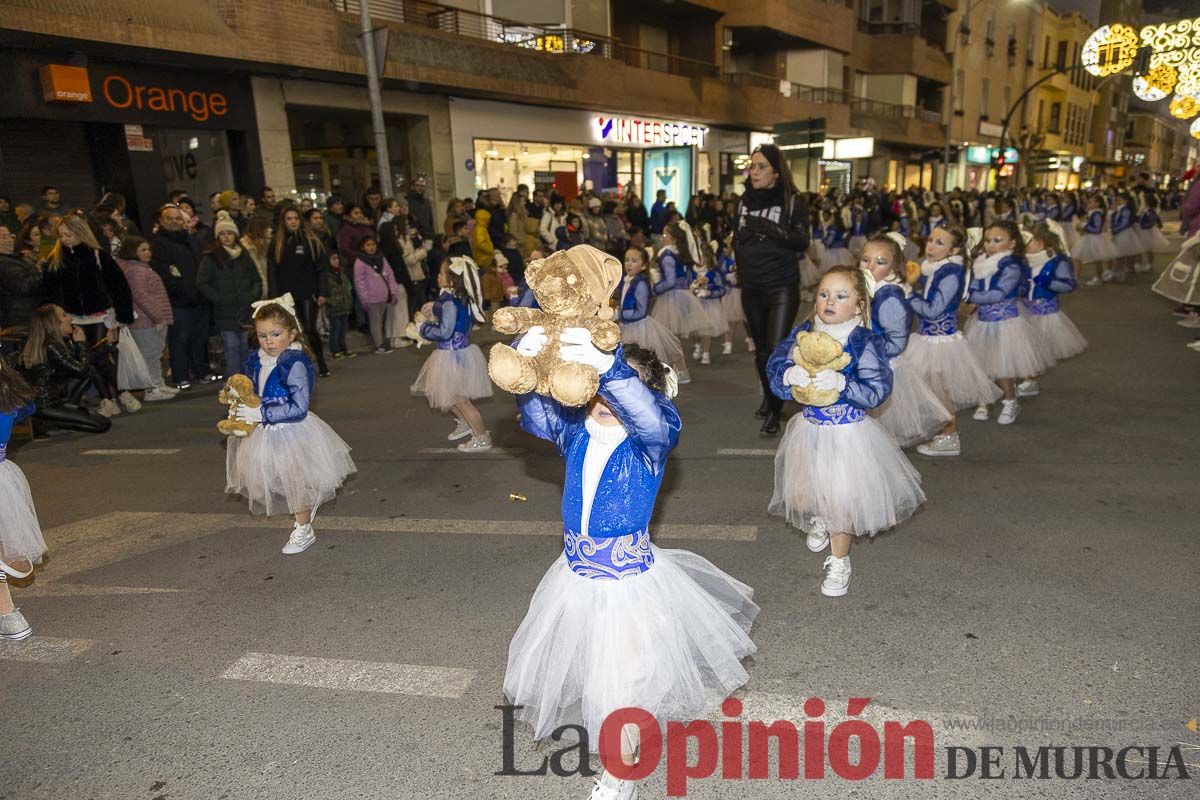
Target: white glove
x,y
577,346
532,342
797,376
248,414
703,293
828,379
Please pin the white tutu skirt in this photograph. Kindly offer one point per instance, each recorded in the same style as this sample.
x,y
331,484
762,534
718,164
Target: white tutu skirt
x,y
679,311
1091,248
1153,241
1127,243
852,476
649,333
810,275
835,257
1009,348
1071,234
669,640
951,370
731,305
816,249
20,534
284,468
1057,334
450,377
712,317
912,413
857,244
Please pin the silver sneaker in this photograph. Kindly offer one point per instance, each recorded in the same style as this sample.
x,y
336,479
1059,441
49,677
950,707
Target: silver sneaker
x,y
981,414
14,627
129,402
461,431
818,535
1008,412
1028,388
477,444
837,576
944,444
108,408
301,539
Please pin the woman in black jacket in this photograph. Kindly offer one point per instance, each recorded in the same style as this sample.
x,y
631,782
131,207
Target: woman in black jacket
x,y
296,263
771,233
229,280
55,362
82,277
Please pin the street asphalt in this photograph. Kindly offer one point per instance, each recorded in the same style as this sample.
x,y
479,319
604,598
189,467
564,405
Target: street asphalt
x,y
1048,589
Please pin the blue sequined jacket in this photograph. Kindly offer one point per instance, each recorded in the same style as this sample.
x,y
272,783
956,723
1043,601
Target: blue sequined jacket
x,y
996,297
289,387
1122,220
1040,292
891,318
1095,222
716,284
7,420
629,485
675,273
635,303
868,377
452,330
936,300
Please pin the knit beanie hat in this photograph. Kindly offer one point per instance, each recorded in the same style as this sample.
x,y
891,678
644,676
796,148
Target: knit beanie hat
x,y
226,197
225,223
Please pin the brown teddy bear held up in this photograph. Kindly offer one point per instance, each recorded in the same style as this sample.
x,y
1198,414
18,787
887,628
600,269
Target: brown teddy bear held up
x,y
238,391
573,288
816,351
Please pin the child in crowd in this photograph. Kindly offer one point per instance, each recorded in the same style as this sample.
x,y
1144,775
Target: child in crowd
x,y
152,312
731,304
1150,235
833,234
709,289
292,462
1092,247
1050,274
375,285
339,306
838,474
21,542
1127,245
676,308
455,374
637,326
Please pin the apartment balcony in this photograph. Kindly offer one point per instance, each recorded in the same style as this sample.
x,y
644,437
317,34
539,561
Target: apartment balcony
x,y
910,125
824,23
885,49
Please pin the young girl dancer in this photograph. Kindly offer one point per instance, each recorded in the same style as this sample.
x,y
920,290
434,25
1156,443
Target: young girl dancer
x,y
1070,208
731,304
637,327
675,307
833,235
292,462
712,315
1004,342
937,350
1150,235
838,473
1092,247
1126,245
21,542
935,219
1051,274
455,374
617,622
912,413
858,227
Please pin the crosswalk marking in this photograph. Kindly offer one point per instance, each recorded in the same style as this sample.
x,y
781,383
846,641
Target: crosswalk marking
x,y
355,676
749,452
44,649
160,452
495,451
51,588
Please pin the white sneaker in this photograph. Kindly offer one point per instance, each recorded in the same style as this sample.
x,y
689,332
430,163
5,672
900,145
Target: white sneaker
x,y
696,353
837,576
705,358
399,343
108,408
727,349
818,535
1144,267
1094,282
1190,321
1008,412
1194,345
477,444
684,377
461,431
157,394
1028,388
14,627
301,539
1108,276
749,345
944,444
610,788
129,402
981,414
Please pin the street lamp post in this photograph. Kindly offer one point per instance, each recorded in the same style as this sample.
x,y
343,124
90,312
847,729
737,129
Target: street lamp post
x,y
373,72
960,35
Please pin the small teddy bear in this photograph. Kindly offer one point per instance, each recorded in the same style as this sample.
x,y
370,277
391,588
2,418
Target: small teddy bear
x,y
238,391
573,288
815,352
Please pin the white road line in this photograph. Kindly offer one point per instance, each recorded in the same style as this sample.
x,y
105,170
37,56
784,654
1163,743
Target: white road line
x,y
495,451
355,676
167,452
44,649
737,452
495,527
55,589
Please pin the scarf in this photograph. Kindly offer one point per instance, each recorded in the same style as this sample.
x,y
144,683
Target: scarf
x,y
234,252
266,364
985,267
928,268
873,283
841,331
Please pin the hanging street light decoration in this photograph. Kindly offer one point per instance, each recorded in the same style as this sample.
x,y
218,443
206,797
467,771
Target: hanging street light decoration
x,y
1195,129
1109,50
1184,107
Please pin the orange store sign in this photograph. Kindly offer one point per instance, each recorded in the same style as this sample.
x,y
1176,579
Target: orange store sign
x,y
63,84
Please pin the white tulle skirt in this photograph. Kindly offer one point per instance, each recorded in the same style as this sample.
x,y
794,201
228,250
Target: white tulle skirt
x,y
912,413
1091,248
20,534
712,317
1057,334
679,311
1153,241
284,468
669,640
810,275
836,257
1008,348
951,370
857,244
1071,235
450,377
731,305
649,333
1127,243
853,476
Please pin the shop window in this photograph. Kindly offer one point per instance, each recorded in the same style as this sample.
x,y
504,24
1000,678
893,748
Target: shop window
x,y
196,162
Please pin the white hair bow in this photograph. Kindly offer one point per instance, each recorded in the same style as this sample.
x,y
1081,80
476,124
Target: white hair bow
x,y
898,238
286,301
466,269
672,388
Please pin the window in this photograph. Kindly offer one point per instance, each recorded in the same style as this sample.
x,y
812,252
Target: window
x,y
983,98
1046,54
1055,117
990,39
1007,99
960,91
1061,58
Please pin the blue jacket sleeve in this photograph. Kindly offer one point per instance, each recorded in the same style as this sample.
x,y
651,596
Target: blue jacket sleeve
x,y
443,329
1095,223
668,266
1122,219
870,381
546,418
893,319
1062,279
946,290
299,394
779,363
641,297
1004,283
716,284
651,421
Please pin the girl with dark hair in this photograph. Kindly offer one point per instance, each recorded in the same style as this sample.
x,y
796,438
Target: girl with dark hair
x,y
296,266
21,542
675,307
55,359
228,279
152,309
1092,247
1126,243
770,234
1050,274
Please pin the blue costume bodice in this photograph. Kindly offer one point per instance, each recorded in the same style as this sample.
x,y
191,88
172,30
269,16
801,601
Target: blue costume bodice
x,y
891,318
858,222
835,237
635,303
1122,219
936,300
905,227
1054,212
452,330
1068,212
716,285
996,297
1148,219
7,420
868,377
289,387
1041,291
929,226
1095,222
675,273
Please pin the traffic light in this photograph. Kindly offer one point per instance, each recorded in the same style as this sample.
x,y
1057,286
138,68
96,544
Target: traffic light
x,y
1000,158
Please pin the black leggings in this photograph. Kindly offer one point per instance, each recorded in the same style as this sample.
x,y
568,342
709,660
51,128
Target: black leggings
x,y
770,314
71,418
307,310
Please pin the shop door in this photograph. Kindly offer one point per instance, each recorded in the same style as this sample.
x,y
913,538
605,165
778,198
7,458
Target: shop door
x,y
196,162
37,153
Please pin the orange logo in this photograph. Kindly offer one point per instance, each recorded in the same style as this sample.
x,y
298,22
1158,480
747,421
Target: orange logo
x,y
63,84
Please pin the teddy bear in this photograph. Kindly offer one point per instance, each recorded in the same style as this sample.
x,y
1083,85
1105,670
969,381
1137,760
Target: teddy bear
x,y
238,391
815,352
573,288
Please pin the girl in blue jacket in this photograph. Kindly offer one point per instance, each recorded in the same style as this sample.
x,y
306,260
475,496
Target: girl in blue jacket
x,y
21,542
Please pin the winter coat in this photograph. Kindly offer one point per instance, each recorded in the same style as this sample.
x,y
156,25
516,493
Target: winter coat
x,y
299,270
20,291
350,238
175,261
771,233
341,294
88,282
420,212
481,241
374,281
231,285
150,302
